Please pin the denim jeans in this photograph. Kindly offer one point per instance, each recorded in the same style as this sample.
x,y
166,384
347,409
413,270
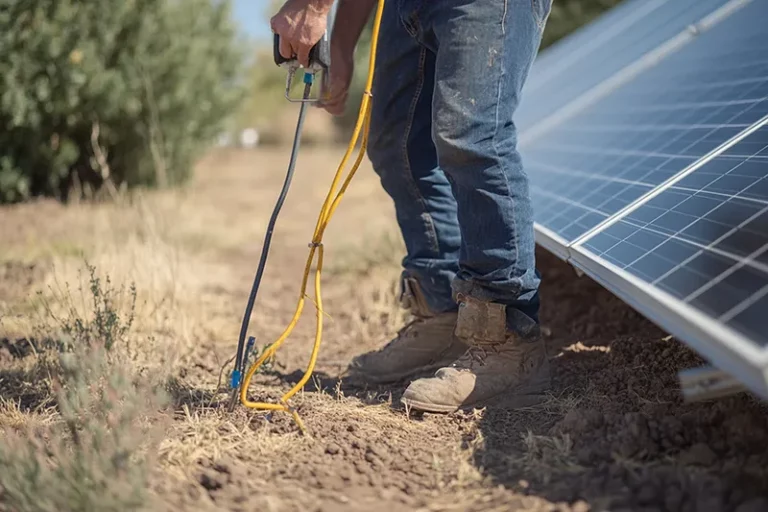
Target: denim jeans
x,y
442,139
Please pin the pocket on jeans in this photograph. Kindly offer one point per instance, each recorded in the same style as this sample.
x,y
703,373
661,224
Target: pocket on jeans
x,y
541,11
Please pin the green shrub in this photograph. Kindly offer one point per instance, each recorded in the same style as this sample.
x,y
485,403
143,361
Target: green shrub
x,y
114,92
96,452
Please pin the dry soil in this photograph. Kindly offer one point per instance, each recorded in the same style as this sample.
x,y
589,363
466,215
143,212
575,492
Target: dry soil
x,y
613,434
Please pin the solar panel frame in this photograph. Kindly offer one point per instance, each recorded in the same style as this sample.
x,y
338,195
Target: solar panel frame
x,y
583,221
704,237
595,52
531,132
683,173
571,205
728,349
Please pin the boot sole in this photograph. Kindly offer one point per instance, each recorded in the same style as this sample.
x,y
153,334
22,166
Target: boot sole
x,y
427,407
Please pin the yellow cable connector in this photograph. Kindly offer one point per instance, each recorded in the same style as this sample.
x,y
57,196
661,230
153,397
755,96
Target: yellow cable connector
x,y
330,204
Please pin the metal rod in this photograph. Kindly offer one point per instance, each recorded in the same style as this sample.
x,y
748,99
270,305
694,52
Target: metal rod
x,y
239,359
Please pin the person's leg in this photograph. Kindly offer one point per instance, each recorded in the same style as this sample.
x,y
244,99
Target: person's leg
x,y
484,51
403,155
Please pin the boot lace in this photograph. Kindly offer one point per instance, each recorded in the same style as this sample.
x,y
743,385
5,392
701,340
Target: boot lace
x,y
405,332
475,355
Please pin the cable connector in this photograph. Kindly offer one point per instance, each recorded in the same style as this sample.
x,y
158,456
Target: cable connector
x,y
234,381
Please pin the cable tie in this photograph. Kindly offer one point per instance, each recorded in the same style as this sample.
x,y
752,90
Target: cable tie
x,y
314,245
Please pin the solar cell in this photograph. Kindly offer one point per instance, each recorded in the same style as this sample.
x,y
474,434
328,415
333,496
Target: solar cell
x,y
704,238
668,117
585,58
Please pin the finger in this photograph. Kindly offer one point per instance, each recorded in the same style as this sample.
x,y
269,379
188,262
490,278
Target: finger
x,y
286,50
303,55
335,104
337,96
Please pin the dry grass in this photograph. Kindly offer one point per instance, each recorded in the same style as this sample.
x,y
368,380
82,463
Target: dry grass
x,y
173,263
191,255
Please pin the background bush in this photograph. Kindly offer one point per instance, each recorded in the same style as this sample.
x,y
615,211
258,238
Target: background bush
x,y
111,91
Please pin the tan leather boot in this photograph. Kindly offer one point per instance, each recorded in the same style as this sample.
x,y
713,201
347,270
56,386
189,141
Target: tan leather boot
x,y
425,344
497,362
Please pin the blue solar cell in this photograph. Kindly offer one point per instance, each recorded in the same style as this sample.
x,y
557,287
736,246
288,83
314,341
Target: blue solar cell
x,y
587,57
604,158
704,239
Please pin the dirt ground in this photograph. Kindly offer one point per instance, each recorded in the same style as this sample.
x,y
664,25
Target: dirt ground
x,y
613,434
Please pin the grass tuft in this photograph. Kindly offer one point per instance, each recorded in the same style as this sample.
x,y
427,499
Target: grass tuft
x,y
95,452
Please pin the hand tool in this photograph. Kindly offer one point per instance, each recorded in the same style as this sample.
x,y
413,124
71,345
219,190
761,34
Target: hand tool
x,y
316,251
319,63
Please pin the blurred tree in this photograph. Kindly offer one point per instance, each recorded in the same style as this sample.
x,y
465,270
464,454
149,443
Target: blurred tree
x,y
96,92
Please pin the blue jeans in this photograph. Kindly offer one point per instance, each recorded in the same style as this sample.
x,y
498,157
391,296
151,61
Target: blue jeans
x,y
442,139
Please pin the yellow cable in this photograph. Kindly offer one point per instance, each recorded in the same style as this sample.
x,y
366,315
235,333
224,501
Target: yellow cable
x,y
316,247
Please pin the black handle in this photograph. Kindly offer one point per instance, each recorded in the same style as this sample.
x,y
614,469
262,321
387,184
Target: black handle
x,y
319,54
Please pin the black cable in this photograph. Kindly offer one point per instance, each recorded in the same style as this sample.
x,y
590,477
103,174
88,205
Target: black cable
x,y
239,359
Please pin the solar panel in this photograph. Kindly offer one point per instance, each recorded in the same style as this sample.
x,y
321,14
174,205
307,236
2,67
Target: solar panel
x,y
655,181
600,160
704,239
587,57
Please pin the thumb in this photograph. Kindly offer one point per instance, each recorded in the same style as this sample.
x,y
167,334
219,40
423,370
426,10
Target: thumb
x,y
285,48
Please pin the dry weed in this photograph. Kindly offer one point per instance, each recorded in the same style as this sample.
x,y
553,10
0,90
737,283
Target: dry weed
x,y
92,452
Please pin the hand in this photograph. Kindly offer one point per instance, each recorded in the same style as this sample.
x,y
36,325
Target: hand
x,y
342,69
300,25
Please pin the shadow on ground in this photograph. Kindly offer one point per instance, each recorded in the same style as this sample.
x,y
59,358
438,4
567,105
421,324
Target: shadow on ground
x,y
614,431
24,378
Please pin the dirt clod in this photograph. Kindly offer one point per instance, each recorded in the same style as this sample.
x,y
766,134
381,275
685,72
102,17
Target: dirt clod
x,y
212,481
698,455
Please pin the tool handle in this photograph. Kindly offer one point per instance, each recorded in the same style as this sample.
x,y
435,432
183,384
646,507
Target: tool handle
x,y
319,55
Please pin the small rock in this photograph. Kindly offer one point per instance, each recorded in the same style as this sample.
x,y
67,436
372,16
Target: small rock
x,y
332,449
698,455
754,505
212,482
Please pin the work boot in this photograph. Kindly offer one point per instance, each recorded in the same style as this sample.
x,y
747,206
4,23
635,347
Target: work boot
x,y
497,362
425,344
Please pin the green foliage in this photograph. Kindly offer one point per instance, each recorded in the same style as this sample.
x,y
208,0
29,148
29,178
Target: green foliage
x,y
569,15
107,326
96,454
111,91
266,87
94,457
